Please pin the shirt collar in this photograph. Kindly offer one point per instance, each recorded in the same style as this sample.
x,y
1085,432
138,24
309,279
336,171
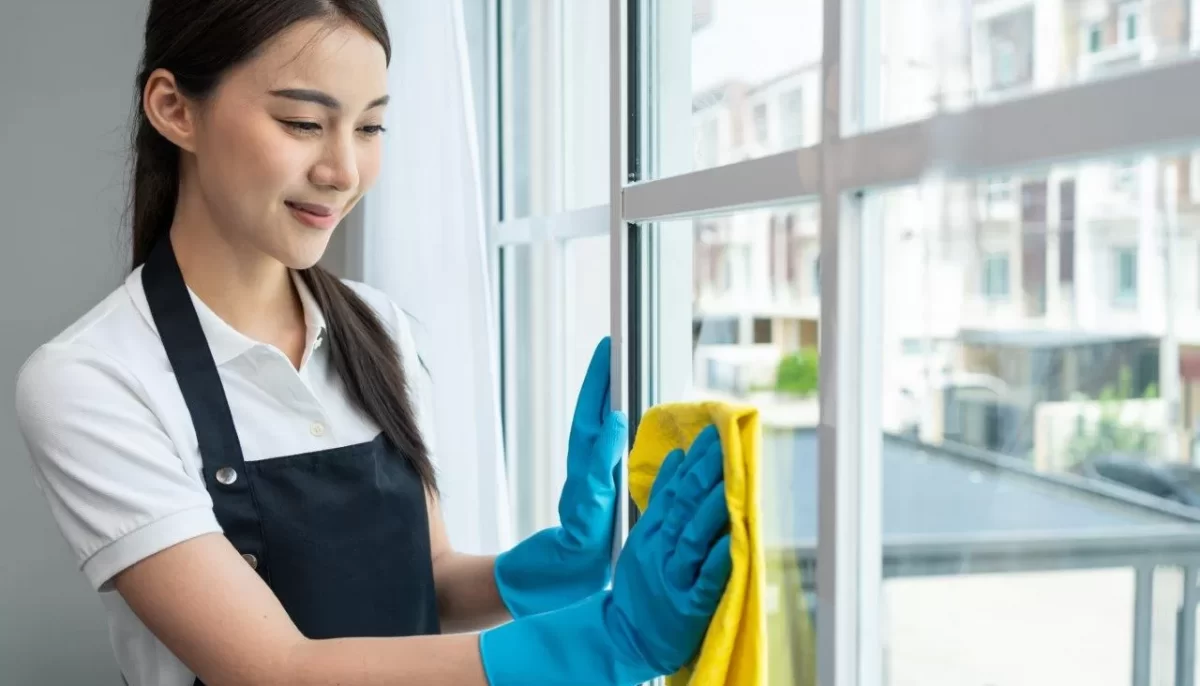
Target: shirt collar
x,y
314,318
227,343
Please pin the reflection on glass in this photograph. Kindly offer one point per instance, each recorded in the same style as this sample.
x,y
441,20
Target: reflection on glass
x,y
1040,400
746,75
947,54
755,316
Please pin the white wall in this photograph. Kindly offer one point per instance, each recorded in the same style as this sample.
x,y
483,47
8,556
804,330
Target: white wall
x,y
67,70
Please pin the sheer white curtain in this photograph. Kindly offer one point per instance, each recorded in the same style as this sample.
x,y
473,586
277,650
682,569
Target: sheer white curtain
x,y
424,244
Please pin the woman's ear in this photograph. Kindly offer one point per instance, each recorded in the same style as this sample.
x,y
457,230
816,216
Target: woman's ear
x,y
168,110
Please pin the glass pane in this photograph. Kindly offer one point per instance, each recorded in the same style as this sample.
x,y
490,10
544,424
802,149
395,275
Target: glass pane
x,y
554,106
731,80
556,309
1041,399
949,54
737,319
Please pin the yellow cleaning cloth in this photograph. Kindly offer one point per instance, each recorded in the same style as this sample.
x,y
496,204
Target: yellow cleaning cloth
x,y
735,648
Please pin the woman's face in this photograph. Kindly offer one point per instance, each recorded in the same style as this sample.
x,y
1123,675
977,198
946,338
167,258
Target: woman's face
x,y
290,140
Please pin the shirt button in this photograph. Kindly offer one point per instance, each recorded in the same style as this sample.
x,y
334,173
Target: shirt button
x,y
251,560
226,475
317,429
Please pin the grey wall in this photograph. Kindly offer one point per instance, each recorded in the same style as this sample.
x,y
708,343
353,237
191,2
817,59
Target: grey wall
x,y
66,78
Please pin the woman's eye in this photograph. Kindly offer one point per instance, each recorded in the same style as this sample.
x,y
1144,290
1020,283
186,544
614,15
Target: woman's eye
x,y
373,130
303,126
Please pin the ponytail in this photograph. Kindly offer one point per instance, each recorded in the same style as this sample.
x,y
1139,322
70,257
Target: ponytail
x,y
365,357
155,186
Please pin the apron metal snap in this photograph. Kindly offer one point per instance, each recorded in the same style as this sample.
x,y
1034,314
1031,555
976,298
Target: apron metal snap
x,y
251,560
226,475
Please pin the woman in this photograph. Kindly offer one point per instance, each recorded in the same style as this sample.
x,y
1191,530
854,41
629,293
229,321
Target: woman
x,y
234,443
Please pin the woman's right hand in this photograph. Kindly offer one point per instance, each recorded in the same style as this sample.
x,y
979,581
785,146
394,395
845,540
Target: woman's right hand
x,y
668,582
672,572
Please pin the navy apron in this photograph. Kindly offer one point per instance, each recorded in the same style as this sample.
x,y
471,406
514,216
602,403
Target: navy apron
x,y
341,535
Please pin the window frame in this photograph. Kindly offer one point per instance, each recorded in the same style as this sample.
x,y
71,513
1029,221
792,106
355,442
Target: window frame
x,y
854,158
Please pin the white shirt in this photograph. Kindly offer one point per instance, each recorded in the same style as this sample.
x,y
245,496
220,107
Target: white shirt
x,y
116,455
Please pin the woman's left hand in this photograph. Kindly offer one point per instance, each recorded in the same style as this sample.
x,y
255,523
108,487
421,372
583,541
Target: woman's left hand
x,y
561,565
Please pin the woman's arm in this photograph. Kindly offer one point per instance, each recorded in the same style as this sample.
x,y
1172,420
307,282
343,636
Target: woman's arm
x,y
213,612
468,599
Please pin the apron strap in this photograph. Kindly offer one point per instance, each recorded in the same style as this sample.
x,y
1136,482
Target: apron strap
x,y
200,382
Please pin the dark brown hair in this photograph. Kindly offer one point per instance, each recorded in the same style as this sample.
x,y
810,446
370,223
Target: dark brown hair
x,y
199,41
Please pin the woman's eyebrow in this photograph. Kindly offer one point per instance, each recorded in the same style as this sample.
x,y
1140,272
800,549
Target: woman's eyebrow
x,y
321,98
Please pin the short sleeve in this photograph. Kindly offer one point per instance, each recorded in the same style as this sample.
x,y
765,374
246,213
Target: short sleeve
x,y
115,483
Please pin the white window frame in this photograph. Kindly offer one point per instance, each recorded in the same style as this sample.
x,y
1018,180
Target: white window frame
x,y
843,171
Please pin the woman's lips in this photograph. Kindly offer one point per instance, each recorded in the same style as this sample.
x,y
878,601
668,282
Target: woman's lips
x,y
314,215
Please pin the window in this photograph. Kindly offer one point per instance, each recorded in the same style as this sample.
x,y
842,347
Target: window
x,y
724,68
1044,389
1125,175
1004,63
1127,18
1095,38
551,234
716,330
1066,233
1125,276
793,247
930,56
791,118
762,330
760,123
998,200
1012,48
935,454
999,190
995,276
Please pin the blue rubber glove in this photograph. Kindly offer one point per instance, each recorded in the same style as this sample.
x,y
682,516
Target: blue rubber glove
x,y
562,565
668,582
